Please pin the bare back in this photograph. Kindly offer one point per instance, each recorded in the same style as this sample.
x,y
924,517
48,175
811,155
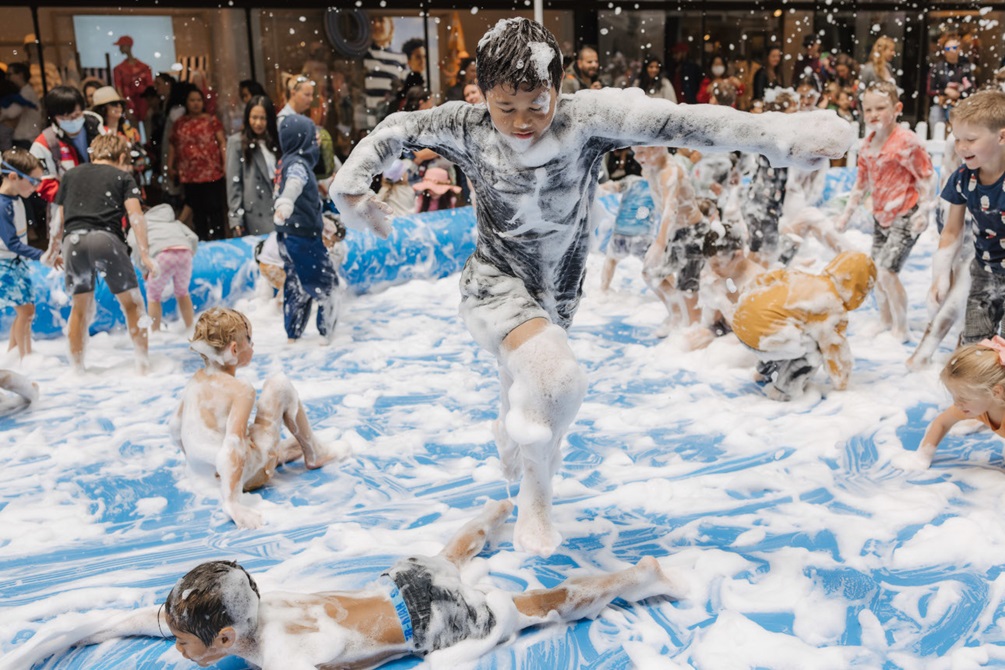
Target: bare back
x,y
206,406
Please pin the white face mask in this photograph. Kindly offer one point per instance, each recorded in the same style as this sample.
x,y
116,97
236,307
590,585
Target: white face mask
x,y
718,70
71,126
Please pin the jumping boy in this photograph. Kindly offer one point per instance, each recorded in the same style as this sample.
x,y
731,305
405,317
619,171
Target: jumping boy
x,y
211,423
534,156
895,166
418,606
976,187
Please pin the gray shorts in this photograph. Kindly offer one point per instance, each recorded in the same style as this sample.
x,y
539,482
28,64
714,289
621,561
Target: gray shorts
x,y
443,610
683,258
985,304
891,246
90,252
494,303
623,246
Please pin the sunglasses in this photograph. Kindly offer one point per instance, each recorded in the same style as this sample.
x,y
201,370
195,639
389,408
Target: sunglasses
x,y
955,48
7,167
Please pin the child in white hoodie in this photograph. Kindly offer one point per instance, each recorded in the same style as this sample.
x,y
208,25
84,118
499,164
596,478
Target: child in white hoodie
x,y
172,245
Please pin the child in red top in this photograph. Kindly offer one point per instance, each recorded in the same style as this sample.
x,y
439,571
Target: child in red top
x,y
894,165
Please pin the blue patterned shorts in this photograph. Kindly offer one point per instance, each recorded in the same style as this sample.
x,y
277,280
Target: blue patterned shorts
x,y
15,283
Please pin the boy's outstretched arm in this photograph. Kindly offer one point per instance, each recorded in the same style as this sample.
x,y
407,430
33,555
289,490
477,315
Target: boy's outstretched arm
x,y
949,245
440,129
85,628
937,429
805,140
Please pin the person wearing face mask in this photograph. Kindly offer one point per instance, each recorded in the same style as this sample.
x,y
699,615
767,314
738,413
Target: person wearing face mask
x,y
63,145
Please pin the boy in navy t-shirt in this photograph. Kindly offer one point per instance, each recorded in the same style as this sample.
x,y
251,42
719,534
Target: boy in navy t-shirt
x,y
977,187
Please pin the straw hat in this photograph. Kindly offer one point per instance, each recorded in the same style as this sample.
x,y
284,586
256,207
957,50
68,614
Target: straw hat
x,y
436,180
105,95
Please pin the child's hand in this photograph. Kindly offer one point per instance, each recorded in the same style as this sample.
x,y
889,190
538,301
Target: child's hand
x,y
918,221
653,256
842,222
912,460
245,517
284,208
152,268
940,287
365,212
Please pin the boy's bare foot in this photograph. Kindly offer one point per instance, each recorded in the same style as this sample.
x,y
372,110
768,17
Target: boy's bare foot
x,y
650,579
496,512
916,363
534,533
324,454
665,328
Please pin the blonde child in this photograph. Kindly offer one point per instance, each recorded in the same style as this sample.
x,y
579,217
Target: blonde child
x,y
172,245
895,166
22,175
975,378
211,423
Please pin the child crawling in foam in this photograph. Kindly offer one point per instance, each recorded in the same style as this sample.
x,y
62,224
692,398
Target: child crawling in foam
x,y
211,424
420,605
534,156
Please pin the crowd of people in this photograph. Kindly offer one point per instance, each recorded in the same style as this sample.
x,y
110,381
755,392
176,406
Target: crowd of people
x,y
722,238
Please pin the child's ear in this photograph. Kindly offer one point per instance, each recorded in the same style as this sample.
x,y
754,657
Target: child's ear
x,y
998,392
226,638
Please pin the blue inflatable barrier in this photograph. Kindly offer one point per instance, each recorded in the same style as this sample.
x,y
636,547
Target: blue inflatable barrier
x,y
421,246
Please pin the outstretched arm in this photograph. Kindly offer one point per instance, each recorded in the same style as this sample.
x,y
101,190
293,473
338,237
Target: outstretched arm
x,y
441,129
231,460
83,629
937,430
628,116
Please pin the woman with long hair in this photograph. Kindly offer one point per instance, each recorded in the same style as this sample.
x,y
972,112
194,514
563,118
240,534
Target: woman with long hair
x,y
770,74
652,81
196,159
251,167
877,68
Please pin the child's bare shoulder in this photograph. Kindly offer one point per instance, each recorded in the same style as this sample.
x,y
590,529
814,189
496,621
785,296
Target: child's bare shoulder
x,y
218,384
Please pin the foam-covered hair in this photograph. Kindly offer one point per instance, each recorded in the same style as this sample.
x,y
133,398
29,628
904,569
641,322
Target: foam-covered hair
x,y
519,53
211,597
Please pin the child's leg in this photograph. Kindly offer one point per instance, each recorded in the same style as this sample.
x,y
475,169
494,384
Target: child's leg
x,y
296,301
181,278
132,306
186,309
317,278
985,305
607,274
20,330
19,384
547,390
472,537
895,298
80,315
509,450
155,310
280,404
947,314
582,597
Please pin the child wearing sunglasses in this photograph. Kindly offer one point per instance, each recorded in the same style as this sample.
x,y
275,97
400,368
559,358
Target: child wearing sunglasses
x,y
22,174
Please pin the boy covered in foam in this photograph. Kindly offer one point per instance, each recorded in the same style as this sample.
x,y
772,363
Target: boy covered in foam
x,y
795,321
211,423
534,157
420,605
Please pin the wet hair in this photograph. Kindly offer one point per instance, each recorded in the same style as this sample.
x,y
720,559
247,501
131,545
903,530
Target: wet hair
x,y
411,45
271,138
254,88
974,366
109,148
204,602
716,242
218,327
985,108
62,101
886,88
22,160
510,55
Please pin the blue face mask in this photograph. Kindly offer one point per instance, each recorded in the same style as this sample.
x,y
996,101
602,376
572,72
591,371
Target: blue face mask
x,y
71,126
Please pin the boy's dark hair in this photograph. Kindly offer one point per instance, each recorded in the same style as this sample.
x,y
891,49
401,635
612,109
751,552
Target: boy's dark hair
x,y
198,603
254,88
62,101
505,56
411,45
716,241
21,160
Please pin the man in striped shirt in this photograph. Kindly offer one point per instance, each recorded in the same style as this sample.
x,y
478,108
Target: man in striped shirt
x,y
385,69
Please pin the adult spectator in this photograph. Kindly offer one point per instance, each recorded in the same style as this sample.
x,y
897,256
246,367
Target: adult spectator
x,y
468,74
52,77
385,71
473,94
248,89
652,81
583,73
845,72
718,76
251,168
196,159
685,74
131,77
88,87
29,118
950,79
808,62
299,96
415,51
111,108
878,67
770,74
63,145
174,109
